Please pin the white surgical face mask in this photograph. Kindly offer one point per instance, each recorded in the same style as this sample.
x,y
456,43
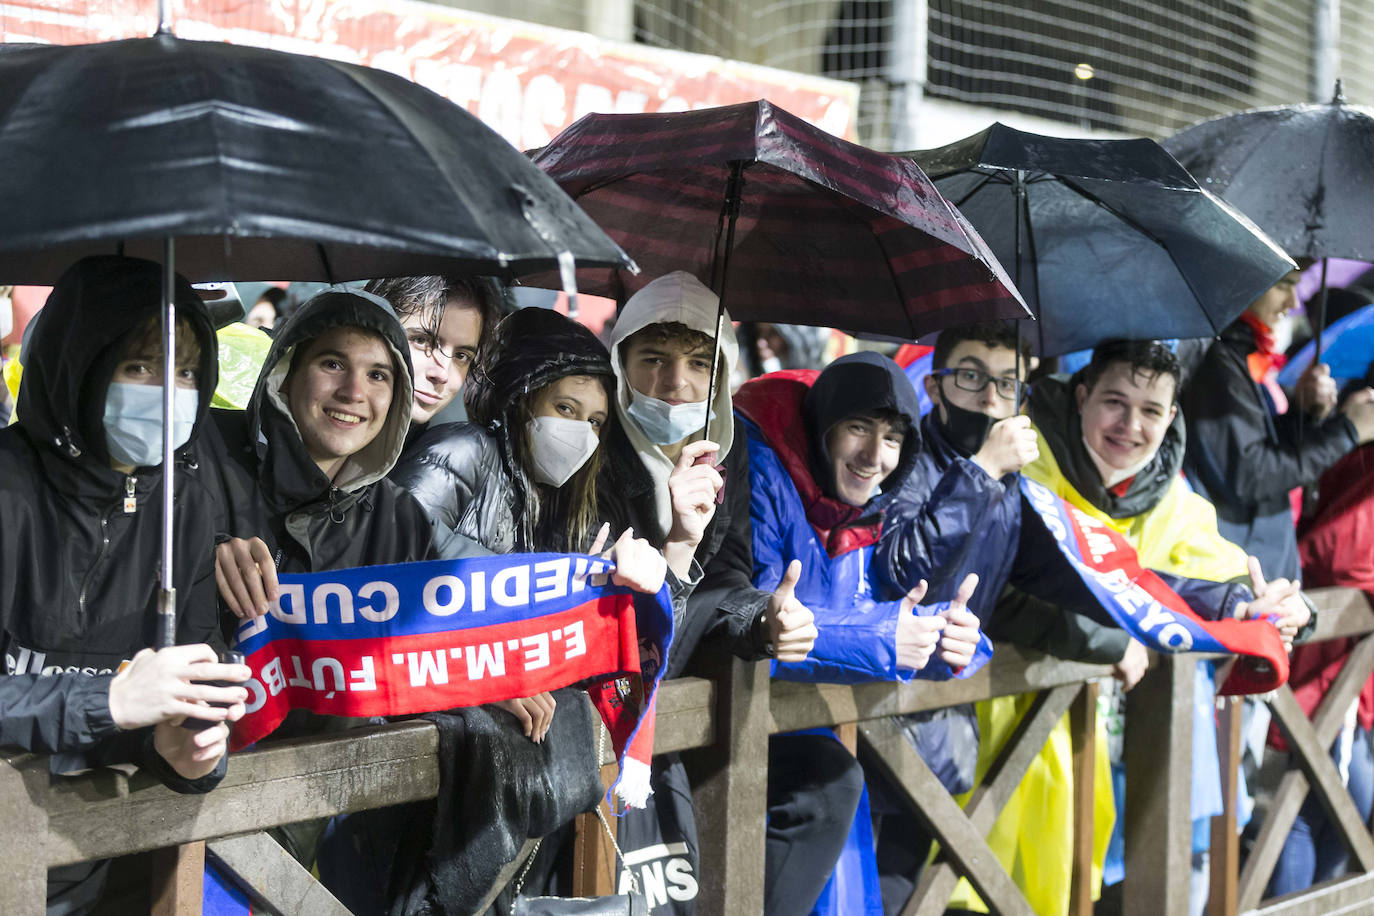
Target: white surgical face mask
x,y
559,447
133,422
665,423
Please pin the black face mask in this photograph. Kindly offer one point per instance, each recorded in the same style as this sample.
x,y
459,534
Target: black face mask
x,y
965,430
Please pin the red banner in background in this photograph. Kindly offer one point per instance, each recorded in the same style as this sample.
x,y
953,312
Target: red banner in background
x,y
526,81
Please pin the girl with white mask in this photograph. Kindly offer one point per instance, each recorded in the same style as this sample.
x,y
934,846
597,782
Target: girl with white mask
x,y
521,476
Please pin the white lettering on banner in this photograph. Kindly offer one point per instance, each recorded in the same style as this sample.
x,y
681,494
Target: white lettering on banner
x,y
1150,615
511,587
424,667
320,602
388,611
485,657
365,677
297,613
551,579
456,594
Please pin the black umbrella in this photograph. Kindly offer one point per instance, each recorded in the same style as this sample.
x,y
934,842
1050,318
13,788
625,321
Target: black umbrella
x,y
229,162
1105,238
262,165
1303,173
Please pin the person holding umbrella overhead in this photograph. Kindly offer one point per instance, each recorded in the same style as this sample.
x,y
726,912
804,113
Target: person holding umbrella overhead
x,y
1245,450
79,499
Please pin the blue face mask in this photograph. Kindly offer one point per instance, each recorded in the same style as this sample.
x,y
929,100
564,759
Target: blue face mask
x,y
664,423
133,422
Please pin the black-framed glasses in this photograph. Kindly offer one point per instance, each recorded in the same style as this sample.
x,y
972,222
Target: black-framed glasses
x,y
975,380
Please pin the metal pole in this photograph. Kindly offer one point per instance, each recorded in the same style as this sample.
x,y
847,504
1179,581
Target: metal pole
x,y
1326,48
166,622
734,192
907,71
1016,271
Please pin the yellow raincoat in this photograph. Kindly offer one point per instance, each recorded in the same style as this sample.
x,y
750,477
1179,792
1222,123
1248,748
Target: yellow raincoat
x,y
1033,837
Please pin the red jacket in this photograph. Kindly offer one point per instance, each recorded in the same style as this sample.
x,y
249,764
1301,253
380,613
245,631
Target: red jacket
x,y
1337,549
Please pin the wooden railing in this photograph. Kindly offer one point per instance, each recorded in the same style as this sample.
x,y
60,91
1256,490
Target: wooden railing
x,y
729,718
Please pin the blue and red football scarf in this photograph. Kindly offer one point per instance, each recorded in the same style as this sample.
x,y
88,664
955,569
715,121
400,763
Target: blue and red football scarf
x,y
1143,605
422,637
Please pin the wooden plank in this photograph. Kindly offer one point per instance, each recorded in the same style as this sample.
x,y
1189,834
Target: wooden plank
x,y
730,791
1324,778
23,867
1348,895
1083,730
1158,824
1013,670
987,800
268,873
1340,612
178,880
107,815
1292,788
1223,899
848,733
961,842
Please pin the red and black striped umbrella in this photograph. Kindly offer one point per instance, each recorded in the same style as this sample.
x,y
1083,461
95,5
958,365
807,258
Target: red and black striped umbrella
x,y
828,233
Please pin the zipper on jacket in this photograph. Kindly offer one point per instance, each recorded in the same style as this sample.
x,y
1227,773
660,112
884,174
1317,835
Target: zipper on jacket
x,y
130,500
129,483
336,515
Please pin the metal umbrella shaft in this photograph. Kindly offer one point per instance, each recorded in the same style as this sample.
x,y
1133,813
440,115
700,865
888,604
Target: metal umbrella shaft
x,y
166,608
734,192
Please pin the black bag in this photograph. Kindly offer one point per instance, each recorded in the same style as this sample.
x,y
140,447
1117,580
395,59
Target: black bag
x,y
627,902
947,740
659,843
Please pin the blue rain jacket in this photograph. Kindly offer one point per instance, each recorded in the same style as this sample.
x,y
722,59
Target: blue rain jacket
x,y
793,517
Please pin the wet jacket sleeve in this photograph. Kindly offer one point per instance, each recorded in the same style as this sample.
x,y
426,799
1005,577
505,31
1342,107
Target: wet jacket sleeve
x,y
854,643
1027,620
49,714
1209,600
928,527
1242,453
725,602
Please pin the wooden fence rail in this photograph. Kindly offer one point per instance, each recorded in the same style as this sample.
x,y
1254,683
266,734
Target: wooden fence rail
x,y
727,719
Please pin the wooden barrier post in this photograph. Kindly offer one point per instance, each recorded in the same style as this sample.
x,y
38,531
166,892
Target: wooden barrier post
x,y
1159,780
1083,729
1224,899
730,789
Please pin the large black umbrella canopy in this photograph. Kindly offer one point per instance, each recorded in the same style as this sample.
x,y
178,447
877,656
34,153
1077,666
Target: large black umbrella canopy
x,y
262,165
1105,238
1303,173
794,224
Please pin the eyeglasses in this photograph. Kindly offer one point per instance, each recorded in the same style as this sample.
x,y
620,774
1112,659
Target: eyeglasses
x,y
975,380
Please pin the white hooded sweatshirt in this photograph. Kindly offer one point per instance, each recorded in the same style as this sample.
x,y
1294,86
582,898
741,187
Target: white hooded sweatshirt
x,y
682,298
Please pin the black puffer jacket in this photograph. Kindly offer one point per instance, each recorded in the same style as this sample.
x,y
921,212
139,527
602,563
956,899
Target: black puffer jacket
x,y
466,474
79,571
278,493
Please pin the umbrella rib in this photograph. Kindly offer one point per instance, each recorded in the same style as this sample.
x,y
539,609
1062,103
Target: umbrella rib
x,y
986,178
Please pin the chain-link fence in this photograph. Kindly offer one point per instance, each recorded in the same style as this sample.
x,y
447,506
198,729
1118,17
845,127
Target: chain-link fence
x,y
1136,66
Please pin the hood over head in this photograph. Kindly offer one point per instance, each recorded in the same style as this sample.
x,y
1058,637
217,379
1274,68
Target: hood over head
x,y
96,305
860,383
529,349
291,475
775,402
679,298
1054,411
